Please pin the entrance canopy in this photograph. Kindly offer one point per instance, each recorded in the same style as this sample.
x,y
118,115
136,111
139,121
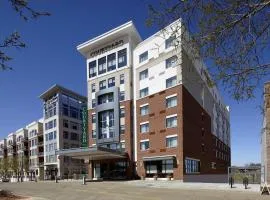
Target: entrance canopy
x,y
154,158
91,153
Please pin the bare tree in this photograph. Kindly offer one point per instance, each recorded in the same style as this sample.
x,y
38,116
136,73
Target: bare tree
x,y
231,36
14,39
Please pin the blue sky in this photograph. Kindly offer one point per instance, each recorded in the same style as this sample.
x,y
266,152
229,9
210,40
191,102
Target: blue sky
x,y
51,57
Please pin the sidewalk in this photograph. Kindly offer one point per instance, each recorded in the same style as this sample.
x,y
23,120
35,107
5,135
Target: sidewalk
x,y
194,186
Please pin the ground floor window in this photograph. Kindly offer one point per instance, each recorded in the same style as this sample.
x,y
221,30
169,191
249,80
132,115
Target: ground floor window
x,y
192,166
161,168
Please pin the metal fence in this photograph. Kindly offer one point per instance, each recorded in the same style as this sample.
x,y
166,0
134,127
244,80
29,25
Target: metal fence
x,y
253,174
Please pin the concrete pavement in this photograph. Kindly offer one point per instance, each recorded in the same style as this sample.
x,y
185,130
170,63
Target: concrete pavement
x,y
119,191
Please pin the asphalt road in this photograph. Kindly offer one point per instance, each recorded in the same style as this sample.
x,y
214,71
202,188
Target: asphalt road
x,y
118,191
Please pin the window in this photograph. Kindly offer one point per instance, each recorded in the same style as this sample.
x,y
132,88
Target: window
x,y
171,141
167,166
144,145
94,134
93,87
92,69
102,65
122,95
54,134
192,166
171,62
74,125
122,58
93,118
171,102
65,135
143,56
93,103
111,62
122,129
74,112
111,82
144,128
102,85
143,92
122,79
170,41
144,74
170,82
74,136
105,98
122,112
106,124
171,122
65,109
144,110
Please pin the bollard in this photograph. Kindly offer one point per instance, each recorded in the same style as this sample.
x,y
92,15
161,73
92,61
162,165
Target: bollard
x,y
56,180
245,182
83,179
231,181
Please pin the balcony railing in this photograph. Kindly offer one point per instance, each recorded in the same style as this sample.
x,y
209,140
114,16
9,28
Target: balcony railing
x,y
41,154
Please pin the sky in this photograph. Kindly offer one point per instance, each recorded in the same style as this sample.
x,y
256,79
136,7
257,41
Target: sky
x,y
51,57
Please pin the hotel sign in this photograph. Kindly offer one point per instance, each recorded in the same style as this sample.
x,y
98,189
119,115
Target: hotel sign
x,y
84,138
107,48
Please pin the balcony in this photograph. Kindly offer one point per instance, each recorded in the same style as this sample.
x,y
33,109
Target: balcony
x,y
40,154
40,143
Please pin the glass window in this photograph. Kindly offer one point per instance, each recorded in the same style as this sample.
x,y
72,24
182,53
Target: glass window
x,y
171,142
111,82
111,62
144,110
144,128
122,79
65,135
74,136
144,74
143,56
122,112
102,65
93,103
92,69
192,166
144,145
143,92
94,135
171,122
167,166
122,58
105,98
170,41
65,109
171,102
102,85
122,129
93,118
93,87
171,62
170,82
122,95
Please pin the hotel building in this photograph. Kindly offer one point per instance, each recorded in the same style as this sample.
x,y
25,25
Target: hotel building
x,y
181,125
36,149
151,110
62,129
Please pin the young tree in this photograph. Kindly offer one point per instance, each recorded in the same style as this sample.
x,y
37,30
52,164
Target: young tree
x,y
14,40
231,35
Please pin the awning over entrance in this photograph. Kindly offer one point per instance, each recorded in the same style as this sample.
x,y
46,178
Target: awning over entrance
x,y
154,158
91,153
